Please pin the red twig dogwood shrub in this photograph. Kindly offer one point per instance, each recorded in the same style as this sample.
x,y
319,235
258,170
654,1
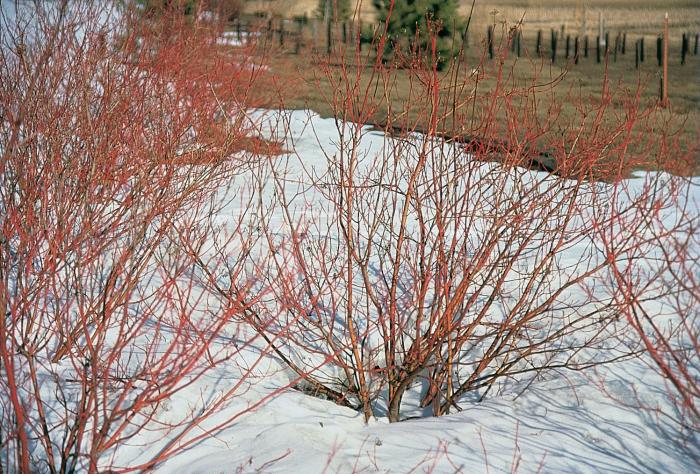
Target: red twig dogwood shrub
x,y
443,264
653,280
116,134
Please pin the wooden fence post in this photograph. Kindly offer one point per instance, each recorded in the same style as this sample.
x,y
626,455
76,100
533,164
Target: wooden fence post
x,y
300,29
641,50
659,50
281,33
538,48
359,34
684,48
624,42
602,40
554,45
489,38
664,97
568,41
585,46
576,50
329,35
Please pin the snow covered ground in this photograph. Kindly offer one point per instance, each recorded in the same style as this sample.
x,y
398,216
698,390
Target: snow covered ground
x,y
232,38
567,421
564,424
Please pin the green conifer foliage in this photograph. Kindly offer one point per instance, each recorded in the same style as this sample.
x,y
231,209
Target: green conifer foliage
x,y
412,20
187,7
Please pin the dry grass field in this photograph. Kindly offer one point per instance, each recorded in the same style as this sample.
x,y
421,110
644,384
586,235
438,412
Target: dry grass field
x,y
638,18
579,16
292,8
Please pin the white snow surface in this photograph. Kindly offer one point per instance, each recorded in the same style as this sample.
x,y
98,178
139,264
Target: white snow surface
x,y
232,38
562,423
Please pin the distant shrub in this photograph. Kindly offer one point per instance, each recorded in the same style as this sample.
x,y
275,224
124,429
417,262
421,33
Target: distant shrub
x,y
418,23
187,7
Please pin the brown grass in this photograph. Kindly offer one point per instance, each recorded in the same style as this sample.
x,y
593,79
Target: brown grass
x,y
637,17
585,80
579,16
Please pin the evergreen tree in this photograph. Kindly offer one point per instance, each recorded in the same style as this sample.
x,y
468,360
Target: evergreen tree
x,y
186,7
410,20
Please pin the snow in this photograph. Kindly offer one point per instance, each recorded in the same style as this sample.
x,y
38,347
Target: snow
x,y
232,38
561,425
566,421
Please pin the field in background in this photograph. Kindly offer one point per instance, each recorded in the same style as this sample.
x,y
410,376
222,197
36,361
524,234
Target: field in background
x,y
300,60
634,16
638,17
